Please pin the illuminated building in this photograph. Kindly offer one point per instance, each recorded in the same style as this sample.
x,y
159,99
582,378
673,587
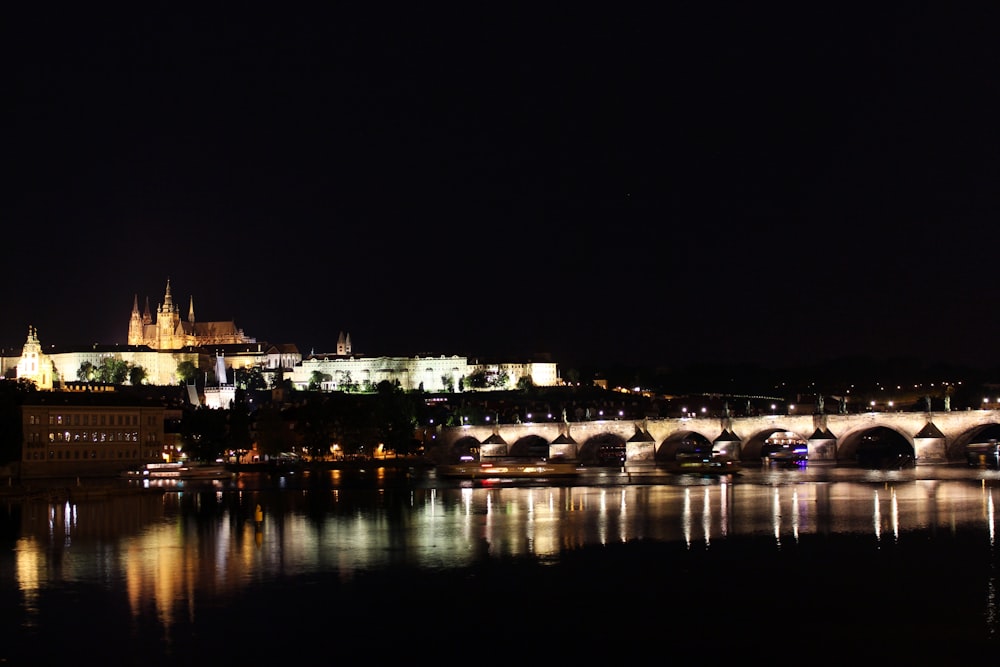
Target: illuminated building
x,y
170,332
90,433
159,345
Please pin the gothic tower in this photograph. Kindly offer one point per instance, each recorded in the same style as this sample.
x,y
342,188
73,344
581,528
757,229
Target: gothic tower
x,y
343,344
168,318
135,324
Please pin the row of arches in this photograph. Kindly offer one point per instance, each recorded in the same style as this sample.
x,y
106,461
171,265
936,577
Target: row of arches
x,y
875,446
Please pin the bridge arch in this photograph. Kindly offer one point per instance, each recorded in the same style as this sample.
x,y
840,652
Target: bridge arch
x,y
681,441
979,433
464,446
753,446
530,445
601,448
876,445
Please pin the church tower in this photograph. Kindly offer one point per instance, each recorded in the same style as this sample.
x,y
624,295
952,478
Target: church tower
x,y
343,344
168,318
135,324
34,364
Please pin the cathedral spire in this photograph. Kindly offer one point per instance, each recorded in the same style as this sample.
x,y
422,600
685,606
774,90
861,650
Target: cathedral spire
x,y
168,300
191,311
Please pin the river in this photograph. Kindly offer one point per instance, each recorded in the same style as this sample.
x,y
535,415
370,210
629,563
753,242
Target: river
x,y
892,564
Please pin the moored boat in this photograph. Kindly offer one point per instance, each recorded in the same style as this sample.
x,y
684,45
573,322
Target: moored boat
x,y
706,464
788,457
180,470
508,469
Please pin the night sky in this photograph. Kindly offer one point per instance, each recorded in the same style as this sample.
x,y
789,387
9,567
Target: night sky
x,y
698,182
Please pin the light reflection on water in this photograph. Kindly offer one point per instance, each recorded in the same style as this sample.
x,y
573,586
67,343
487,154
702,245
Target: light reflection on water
x,y
171,552
211,538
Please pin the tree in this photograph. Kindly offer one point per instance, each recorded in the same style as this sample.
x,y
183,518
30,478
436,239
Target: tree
x,y
316,380
395,417
499,380
239,425
136,375
314,426
204,433
273,436
477,379
113,371
187,372
251,378
86,372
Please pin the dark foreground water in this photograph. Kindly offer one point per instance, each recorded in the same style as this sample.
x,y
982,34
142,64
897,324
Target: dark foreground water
x,y
383,566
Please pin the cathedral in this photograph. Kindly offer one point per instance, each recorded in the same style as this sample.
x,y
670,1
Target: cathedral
x,y
169,332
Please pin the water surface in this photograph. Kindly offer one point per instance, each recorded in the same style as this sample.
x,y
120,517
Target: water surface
x,y
188,574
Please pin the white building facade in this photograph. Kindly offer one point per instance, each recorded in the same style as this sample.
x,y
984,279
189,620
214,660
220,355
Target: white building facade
x,y
431,374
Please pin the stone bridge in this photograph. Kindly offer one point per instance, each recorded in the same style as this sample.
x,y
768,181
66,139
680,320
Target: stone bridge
x,y
935,437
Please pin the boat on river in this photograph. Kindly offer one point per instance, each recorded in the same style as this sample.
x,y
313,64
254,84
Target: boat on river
x,y
787,457
706,463
179,470
508,469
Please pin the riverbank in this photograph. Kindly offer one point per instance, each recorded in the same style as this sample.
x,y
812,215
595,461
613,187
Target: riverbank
x,y
63,489
320,466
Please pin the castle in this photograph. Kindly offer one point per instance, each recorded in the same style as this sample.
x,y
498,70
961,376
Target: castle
x,y
160,345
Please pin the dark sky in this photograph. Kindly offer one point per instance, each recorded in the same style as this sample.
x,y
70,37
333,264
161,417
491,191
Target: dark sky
x,y
698,182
